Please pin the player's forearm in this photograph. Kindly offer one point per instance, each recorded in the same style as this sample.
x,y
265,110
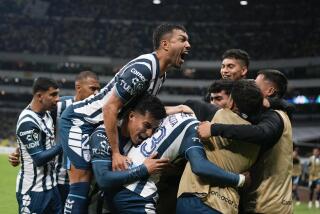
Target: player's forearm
x,y
207,170
44,157
110,123
107,179
268,130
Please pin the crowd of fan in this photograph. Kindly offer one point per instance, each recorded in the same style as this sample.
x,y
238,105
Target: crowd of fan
x,y
122,29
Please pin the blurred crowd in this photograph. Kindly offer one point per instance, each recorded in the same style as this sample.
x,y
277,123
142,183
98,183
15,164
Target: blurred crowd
x,y
122,29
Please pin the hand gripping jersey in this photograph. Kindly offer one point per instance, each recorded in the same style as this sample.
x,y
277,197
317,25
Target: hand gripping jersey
x,y
172,140
35,133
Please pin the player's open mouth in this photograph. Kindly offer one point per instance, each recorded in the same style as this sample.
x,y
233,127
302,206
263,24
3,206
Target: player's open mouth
x,y
226,76
140,139
183,55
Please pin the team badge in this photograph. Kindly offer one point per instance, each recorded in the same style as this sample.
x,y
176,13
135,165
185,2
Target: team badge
x,y
35,136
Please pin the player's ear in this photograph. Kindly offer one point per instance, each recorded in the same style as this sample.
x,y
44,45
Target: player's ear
x,y
271,90
131,115
244,71
164,44
77,86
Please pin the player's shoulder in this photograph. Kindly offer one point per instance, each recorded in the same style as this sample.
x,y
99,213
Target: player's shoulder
x,y
100,146
28,116
66,98
174,120
145,61
99,135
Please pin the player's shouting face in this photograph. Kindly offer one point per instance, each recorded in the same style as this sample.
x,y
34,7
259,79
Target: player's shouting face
x,y
141,126
178,47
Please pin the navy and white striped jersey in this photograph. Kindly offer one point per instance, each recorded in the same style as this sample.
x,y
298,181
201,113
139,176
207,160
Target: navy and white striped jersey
x,y
35,134
62,175
136,77
174,137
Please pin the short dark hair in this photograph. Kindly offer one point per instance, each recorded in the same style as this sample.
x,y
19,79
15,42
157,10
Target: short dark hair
x,y
237,54
43,84
85,74
162,30
247,97
277,78
221,85
152,104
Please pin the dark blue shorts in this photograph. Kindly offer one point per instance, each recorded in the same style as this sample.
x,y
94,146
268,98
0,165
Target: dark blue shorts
x,y
74,136
40,202
295,180
64,191
314,183
190,204
126,201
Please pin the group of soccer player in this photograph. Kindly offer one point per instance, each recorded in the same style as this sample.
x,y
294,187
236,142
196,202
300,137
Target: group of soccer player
x,y
239,157
313,171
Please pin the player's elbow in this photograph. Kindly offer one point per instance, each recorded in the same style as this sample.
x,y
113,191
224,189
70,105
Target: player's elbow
x,y
38,161
197,169
103,184
101,178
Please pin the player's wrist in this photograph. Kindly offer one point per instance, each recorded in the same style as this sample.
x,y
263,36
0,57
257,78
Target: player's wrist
x,y
241,181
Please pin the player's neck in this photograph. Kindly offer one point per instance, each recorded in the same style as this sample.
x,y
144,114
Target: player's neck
x,y
124,128
36,106
164,63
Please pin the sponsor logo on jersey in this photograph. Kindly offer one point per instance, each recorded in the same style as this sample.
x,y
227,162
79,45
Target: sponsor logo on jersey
x,y
26,132
33,145
224,199
138,74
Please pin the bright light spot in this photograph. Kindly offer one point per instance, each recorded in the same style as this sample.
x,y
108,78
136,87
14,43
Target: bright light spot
x,y
156,1
243,3
301,99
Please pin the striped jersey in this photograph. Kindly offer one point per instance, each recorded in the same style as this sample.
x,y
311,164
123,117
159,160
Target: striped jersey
x,y
62,175
35,134
174,137
136,77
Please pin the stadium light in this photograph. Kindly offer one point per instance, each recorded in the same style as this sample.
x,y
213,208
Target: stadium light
x,y
243,3
156,1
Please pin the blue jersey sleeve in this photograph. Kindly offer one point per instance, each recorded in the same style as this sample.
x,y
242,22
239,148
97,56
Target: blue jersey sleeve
x,y
193,150
29,134
133,81
102,164
100,147
33,138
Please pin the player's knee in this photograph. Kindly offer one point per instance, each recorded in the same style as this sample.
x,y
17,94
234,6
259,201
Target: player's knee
x,y
79,175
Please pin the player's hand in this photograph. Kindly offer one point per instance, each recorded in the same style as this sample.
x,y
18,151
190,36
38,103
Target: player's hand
x,y
155,165
178,109
14,158
186,109
204,130
119,162
266,103
248,179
